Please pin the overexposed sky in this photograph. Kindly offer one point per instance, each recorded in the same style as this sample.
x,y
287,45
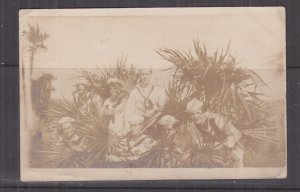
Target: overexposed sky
x,y
256,34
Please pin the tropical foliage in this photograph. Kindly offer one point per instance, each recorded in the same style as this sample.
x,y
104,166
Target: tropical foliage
x,y
224,87
84,110
36,41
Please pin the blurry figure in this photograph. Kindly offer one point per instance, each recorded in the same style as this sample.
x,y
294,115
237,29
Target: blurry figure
x,y
172,151
88,102
69,137
41,92
166,124
146,98
80,94
139,143
213,127
113,113
114,107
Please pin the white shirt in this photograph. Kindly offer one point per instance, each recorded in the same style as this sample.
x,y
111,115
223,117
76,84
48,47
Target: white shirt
x,y
136,101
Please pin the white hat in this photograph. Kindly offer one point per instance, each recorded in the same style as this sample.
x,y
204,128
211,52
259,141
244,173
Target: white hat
x,y
66,122
136,119
193,105
167,120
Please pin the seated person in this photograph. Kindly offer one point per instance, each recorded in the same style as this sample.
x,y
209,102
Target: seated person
x,y
213,127
173,151
166,127
69,137
139,143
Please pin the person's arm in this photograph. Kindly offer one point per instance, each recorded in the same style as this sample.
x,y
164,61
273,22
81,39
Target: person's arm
x,y
129,106
233,134
120,108
195,134
162,98
159,99
105,106
97,104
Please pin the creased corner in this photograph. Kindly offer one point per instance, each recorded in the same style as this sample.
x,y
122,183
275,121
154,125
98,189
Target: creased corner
x,y
281,14
25,12
282,174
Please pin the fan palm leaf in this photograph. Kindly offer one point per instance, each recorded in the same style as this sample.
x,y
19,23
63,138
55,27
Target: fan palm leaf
x,y
55,156
208,154
223,86
88,125
96,83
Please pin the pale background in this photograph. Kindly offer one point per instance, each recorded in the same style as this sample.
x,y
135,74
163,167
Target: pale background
x,y
257,38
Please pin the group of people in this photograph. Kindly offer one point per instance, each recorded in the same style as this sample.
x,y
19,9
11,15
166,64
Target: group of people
x,y
128,116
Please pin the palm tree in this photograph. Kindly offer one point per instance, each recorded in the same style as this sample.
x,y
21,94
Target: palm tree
x,y
89,124
225,88
36,40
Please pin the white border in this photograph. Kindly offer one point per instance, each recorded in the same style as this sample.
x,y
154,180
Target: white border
x,y
85,174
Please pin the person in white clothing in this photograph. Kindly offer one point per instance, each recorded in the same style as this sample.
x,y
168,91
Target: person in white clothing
x,y
139,142
146,98
214,127
113,108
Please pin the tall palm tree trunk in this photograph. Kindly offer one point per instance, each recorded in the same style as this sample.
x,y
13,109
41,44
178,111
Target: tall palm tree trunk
x,y
32,54
27,86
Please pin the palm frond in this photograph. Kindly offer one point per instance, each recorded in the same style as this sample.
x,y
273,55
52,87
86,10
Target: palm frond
x,y
208,154
64,108
88,125
35,37
97,83
56,156
223,86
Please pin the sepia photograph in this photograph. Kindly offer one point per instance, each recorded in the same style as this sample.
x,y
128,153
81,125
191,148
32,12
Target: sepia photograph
x,y
152,94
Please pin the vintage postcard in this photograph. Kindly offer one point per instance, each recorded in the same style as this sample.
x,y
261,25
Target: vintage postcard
x,y
153,94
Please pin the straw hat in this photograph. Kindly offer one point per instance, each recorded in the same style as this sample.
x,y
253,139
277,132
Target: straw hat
x,y
193,105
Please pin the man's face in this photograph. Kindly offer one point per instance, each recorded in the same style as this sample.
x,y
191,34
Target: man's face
x,y
168,126
113,92
197,115
169,130
80,89
68,129
145,76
